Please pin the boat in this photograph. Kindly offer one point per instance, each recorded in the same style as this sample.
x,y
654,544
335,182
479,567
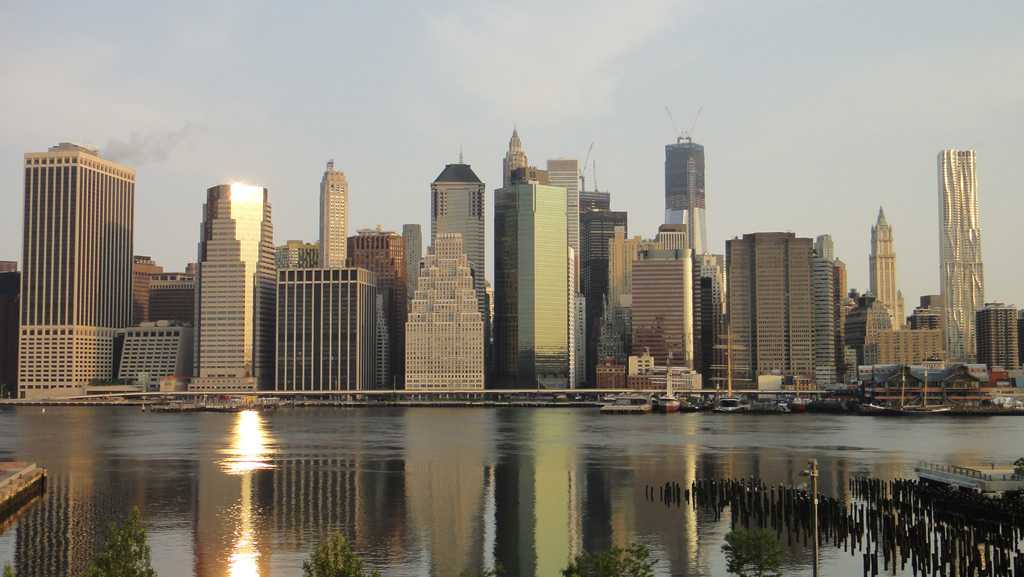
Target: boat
x,y
667,403
799,405
731,405
627,405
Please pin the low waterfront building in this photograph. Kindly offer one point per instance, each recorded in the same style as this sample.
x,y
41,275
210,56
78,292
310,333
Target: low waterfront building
x,y
153,352
959,386
444,347
611,375
325,329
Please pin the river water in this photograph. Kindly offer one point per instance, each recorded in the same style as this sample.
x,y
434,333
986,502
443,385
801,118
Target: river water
x,y
435,491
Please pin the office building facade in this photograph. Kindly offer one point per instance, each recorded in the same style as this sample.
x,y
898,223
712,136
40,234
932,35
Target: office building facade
x,y
597,231
76,289
10,289
325,329
531,337
961,272
333,218
770,310
412,241
235,291
908,347
172,297
156,352
685,190
383,253
709,308
297,254
143,270
458,206
445,329
566,174
823,278
662,312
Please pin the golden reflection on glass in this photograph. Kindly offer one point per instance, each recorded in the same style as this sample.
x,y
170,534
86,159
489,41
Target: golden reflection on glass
x,y
249,452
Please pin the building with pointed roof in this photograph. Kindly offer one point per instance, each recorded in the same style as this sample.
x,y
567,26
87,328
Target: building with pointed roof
x,y
883,269
458,206
514,158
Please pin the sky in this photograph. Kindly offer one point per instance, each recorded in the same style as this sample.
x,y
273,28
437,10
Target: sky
x,y
814,113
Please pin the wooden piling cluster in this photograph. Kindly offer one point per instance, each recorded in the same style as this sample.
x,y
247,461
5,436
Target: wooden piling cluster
x,y
892,525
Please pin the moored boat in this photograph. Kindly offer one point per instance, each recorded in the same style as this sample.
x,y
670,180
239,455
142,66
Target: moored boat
x,y
666,403
731,405
627,405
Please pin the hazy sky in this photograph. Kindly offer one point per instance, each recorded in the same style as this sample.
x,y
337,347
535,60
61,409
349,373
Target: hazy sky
x,y
814,113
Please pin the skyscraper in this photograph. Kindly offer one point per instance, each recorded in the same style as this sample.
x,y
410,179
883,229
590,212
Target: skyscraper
x,y
143,270
333,218
961,274
325,329
458,206
594,200
172,297
412,239
769,295
566,173
514,158
445,329
684,189
823,279
235,291
77,281
663,298
297,254
10,287
708,312
998,336
883,269
383,253
531,282
597,231
864,324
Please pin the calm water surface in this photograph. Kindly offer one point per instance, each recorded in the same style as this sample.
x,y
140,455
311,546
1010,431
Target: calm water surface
x,y
434,491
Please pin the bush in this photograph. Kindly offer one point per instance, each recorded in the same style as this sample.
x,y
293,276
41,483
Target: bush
x,y
126,553
634,561
334,557
753,553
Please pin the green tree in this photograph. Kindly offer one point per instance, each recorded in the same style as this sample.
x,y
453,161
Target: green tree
x,y
8,572
633,561
126,553
334,557
753,553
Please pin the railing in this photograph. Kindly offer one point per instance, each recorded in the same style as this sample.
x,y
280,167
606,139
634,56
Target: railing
x,y
11,486
968,472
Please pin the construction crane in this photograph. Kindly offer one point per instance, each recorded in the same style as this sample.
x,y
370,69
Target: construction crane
x,y
687,135
583,169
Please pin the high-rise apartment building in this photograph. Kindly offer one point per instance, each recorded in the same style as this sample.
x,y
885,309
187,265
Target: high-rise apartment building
x,y
839,288
566,173
928,315
514,159
882,261
961,273
76,289
383,253
445,329
143,270
863,325
235,291
663,299
297,254
770,310
684,189
333,218
172,297
597,231
998,336
458,206
412,240
325,329
823,296
531,336
10,288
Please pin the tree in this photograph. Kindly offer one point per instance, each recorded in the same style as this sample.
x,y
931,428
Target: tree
x,y
1018,467
334,557
633,561
8,572
753,553
126,553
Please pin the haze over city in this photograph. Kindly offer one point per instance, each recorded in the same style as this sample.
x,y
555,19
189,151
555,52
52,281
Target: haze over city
x,y
813,114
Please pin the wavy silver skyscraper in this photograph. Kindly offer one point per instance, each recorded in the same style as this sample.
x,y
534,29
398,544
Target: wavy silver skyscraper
x,y
961,273
235,291
77,281
333,218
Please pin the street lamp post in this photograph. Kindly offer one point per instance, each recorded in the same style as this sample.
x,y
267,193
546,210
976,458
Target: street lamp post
x,y
812,472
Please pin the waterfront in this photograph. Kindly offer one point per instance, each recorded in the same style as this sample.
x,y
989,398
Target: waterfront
x,y
433,491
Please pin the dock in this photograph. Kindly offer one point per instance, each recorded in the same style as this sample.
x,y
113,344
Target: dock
x,y
20,483
988,481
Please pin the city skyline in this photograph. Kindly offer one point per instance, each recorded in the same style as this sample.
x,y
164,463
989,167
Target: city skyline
x,y
822,110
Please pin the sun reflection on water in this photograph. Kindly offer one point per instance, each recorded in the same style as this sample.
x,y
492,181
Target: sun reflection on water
x,y
250,451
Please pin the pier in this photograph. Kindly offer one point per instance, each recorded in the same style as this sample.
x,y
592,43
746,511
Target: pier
x,y
993,481
20,483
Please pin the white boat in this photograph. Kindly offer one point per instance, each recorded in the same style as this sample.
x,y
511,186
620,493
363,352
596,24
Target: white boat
x,y
627,405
